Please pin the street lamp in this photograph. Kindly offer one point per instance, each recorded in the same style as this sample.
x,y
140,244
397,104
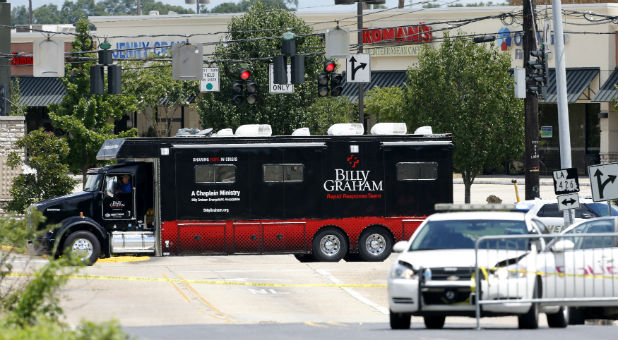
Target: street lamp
x,y
198,3
359,22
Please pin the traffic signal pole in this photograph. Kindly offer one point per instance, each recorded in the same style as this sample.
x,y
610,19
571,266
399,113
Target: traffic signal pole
x,y
359,12
531,103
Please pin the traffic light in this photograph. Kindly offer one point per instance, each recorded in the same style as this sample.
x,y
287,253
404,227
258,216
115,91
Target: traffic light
x,y
537,72
249,85
335,80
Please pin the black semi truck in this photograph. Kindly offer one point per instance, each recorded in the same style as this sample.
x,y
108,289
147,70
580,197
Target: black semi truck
x,y
320,197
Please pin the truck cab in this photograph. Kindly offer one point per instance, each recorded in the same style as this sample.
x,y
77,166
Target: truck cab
x,y
113,214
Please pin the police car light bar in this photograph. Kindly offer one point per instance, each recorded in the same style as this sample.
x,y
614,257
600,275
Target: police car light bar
x,y
474,207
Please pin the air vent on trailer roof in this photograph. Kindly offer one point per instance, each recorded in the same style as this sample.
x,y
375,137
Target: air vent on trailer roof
x,y
423,130
346,129
389,129
223,133
254,130
301,132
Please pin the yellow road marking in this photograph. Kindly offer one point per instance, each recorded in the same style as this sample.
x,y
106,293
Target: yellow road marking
x,y
337,323
208,282
115,259
184,296
309,323
221,315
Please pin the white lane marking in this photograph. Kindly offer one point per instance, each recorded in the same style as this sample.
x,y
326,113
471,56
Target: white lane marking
x,y
266,292
351,292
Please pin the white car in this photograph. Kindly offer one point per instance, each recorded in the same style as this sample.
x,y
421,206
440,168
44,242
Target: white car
x,y
547,211
433,277
582,270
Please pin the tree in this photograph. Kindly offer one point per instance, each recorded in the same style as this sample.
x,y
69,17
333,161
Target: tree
x,y
16,108
50,178
87,120
283,112
386,104
465,89
327,111
158,96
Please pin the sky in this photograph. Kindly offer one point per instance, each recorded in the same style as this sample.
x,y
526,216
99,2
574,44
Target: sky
x,y
304,5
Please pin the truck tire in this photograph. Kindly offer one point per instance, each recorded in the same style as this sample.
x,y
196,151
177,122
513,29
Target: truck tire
x,y
84,245
375,244
434,321
560,319
576,316
329,245
400,320
530,320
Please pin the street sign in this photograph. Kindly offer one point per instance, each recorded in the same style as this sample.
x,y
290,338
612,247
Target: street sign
x,y
566,181
279,88
210,80
568,201
358,68
603,181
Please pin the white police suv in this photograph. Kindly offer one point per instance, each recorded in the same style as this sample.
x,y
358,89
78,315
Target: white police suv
x,y
434,276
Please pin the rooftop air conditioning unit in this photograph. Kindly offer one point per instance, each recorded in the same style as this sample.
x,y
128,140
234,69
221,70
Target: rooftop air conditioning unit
x,y
254,130
227,132
301,132
423,130
346,129
389,129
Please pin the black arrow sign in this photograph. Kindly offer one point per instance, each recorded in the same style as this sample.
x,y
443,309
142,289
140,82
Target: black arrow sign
x,y
610,178
570,202
354,69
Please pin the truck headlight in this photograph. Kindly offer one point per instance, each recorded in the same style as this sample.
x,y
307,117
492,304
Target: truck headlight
x,y
507,273
402,271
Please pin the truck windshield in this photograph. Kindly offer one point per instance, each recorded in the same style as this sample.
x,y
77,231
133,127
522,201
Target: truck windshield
x,y
93,182
462,234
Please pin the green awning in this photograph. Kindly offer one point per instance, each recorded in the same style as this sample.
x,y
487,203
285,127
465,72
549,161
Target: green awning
x,y
578,80
40,92
378,78
608,92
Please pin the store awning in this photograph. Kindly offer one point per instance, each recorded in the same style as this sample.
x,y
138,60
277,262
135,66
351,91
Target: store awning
x,y
578,81
608,92
378,78
40,92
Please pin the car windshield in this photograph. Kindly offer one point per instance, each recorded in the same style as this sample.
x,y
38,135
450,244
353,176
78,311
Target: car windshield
x,y
600,209
462,234
93,182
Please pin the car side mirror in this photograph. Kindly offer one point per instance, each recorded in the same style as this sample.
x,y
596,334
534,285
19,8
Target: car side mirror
x,y
400,247
562,246
586,216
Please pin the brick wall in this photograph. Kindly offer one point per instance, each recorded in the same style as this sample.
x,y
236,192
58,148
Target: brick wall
x,y
12,128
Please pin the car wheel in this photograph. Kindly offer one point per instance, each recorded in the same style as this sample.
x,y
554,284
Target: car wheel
x,y
304,258
560,319
400,320
375,244
530,320
84,245
329,245
576,316
434,321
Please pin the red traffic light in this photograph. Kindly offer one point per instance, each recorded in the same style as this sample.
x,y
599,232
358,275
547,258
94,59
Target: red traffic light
x,y
245,74
329,66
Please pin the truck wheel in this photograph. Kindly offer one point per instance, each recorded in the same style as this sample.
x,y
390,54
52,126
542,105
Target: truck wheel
x,y
375,244
400,320
576,316
434,321
84,245
329,245
530,320
560,319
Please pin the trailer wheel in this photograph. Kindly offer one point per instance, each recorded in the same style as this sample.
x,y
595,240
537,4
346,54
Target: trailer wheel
x,y
375,244
329,245
84,245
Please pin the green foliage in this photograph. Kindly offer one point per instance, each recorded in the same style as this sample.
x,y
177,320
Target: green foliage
x,y
326,111
245,5
16,108
46,155
87,120
386,104
50,329
156,93
465,89
283,112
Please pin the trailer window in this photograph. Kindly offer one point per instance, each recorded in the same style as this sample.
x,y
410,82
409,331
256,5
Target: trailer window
x,y
219,173
283,172
417,171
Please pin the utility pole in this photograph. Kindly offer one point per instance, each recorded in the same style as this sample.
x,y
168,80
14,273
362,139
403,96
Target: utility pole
x,y
5,51
30,12
531,107
359,12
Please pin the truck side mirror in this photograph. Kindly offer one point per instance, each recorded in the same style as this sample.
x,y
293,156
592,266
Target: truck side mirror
x,y
109,187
